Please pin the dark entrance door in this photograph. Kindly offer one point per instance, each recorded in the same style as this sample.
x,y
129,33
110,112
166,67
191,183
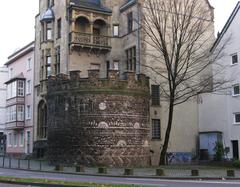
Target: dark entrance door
x,y
235,149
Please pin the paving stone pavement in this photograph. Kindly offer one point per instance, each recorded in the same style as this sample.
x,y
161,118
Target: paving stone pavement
x,y
171,171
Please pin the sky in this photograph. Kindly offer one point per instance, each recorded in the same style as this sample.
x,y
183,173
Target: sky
x,y
17,22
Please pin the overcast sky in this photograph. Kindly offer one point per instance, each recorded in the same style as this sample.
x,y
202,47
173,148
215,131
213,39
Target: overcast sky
x,y
17,22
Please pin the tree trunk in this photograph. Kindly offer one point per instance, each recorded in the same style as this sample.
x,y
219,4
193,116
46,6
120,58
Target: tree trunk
x,y
167,134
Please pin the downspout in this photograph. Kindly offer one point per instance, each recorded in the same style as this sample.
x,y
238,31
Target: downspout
x,y
139,38
68,36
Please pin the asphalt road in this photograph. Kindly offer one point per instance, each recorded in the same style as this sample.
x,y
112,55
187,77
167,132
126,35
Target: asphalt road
x,y
116,180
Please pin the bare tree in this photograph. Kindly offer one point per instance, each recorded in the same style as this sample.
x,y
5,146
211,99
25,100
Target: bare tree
x,y
179,35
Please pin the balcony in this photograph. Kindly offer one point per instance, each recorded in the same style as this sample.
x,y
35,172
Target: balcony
x,y
15,125
90,34
89,40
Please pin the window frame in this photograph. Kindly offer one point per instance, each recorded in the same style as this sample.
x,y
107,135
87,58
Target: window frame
x,y
20,113
130,22
28,87
235,117
233,90
115,26
10,140
20,89
155,95
131,61
29,64
59,28
156,129
232,59
28,112
21,138
15,139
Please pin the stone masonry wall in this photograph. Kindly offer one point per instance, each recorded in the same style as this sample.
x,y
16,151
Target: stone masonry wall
x,y
98,121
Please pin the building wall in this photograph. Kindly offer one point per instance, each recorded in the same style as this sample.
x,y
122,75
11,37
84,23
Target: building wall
x,y
185,124
3,79
223,105
16,67
184,133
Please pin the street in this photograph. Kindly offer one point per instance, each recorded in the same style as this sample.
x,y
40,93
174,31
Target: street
x,y
114,180
12,185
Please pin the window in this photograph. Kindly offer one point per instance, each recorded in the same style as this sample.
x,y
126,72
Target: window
x,y
116,65
11,90
28,87
28,112
21,142
15,139
156,129
49,31
237,118
95,66
11,113
58,59
29,64
59,27
48,66
116,30
10,75
20,113
9,139
50,3
130,22
42,120
49,71
155,95
236,90
131,58
234,59
20,88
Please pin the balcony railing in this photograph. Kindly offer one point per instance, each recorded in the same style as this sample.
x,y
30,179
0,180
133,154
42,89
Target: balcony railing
x,y
89,40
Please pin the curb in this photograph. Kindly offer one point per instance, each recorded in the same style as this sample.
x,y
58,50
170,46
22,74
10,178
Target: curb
x,y
130,176
37,184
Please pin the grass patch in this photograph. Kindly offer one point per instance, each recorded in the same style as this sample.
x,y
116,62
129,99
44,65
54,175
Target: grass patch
x,y
56,182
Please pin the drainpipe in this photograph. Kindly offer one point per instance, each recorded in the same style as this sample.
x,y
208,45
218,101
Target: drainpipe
x,y
138,71
68,32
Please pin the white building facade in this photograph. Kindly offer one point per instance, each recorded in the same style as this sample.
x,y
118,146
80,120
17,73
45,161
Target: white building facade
x,y
219,113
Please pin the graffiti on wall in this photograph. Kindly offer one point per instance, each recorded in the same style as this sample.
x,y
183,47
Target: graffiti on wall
x,y
179,158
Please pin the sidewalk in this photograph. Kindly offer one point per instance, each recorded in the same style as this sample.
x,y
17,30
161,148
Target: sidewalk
x,y
169,171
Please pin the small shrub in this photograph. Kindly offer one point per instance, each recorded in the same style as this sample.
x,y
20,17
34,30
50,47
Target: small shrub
x,y
219,151
236,163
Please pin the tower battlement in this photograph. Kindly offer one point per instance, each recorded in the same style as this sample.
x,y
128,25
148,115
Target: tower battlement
x,y
131,82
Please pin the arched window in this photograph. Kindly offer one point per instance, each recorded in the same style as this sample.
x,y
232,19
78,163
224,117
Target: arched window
x,y
42,120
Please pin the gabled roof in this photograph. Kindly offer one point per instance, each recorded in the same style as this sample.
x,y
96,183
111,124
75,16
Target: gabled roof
x,y
227,25
90,4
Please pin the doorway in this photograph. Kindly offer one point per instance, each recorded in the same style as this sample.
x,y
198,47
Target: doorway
x,y
235,149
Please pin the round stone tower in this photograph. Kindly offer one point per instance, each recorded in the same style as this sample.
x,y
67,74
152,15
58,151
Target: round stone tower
x,y
97,121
